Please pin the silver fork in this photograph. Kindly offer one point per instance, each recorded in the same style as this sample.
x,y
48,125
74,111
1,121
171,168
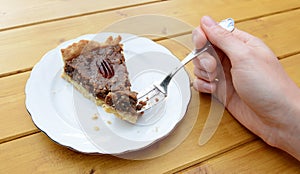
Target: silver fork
x,y
158,91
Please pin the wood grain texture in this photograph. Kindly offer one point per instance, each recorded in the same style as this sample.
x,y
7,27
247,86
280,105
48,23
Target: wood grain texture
x,y
15,120
15,13
279,32
37,153
34,41
292,67
21,13
254,157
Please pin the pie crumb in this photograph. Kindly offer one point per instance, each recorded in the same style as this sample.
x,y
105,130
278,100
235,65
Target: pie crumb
x,y
96,128
95,117
108,122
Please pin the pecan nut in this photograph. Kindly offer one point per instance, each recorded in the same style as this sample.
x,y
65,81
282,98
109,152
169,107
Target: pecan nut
x,y
105,68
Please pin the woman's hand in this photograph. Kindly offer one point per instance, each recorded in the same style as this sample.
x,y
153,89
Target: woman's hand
x,y
259,93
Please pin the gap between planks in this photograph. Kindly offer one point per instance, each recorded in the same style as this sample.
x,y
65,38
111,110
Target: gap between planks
x,y
239,146
181,169
130,6
18,136
270,14
80,15
288,55
156,39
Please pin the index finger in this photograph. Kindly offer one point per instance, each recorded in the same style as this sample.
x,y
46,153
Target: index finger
x,y
199,38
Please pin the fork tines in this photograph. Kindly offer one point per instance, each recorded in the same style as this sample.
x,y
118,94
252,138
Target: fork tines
x,y
151,97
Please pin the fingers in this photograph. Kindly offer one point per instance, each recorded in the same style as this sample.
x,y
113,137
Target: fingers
x,y
204,86
233,46
205,62
199,38
204,75
206,71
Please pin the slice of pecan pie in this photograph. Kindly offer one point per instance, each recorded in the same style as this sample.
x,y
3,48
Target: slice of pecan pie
x,y
99,72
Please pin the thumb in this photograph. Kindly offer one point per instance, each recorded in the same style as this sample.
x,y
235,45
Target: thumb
x,y
232,46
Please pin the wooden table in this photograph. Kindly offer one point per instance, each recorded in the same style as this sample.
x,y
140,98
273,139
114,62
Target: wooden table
x,y
28,29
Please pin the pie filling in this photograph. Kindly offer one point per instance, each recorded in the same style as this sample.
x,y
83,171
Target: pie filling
x,y
99,72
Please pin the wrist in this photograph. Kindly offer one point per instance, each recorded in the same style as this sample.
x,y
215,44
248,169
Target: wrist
x,y
288,133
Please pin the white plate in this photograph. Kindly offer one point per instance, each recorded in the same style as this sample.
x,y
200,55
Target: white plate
x,y
50,100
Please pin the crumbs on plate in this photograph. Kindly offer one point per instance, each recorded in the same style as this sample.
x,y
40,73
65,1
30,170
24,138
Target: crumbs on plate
x,y
96,128
95,117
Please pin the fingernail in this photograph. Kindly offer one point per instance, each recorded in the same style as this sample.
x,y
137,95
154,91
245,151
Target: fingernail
x,y
208,21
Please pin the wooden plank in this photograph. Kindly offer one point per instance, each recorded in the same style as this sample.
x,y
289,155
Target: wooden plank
x,y
291,66
280,32
15,13
36,153
34,41
16,121
19,13
255,157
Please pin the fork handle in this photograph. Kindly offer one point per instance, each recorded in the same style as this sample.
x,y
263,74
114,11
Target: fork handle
x,y
165,82
190,57
227,24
